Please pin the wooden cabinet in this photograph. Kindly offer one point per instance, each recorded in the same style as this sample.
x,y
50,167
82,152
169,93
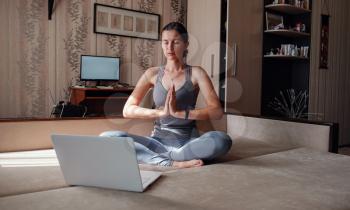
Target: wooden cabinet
x,y
243,56
203,24
232,57
99,101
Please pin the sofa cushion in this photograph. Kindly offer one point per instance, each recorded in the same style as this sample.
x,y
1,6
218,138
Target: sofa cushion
x,y
23,172
293,179
245,148
282,132
33,171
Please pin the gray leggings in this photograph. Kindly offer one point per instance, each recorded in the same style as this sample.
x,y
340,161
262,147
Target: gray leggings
x,y
153,150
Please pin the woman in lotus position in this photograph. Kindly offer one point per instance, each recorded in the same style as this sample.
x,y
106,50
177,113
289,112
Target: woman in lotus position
x,y
175,140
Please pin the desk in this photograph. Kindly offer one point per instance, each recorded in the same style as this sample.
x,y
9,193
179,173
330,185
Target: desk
x,y
101,101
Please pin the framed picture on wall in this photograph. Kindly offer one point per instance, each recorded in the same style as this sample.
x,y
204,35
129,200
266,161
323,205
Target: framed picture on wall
x,y
125,22
324,38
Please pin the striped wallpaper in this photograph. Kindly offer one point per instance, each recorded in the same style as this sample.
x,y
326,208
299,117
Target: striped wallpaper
x,y
330,88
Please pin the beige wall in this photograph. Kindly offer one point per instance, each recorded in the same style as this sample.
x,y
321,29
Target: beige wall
x,y
330,88
39,56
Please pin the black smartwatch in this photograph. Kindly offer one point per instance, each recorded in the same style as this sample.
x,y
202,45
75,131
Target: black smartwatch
x,y
187,112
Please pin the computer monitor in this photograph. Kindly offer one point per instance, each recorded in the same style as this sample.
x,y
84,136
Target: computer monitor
x,y
99,68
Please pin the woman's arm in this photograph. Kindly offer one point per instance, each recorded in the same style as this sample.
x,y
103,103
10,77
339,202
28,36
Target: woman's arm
x,y
213,109
132,108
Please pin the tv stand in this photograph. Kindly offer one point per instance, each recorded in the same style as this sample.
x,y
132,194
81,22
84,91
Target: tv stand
x,y
101,101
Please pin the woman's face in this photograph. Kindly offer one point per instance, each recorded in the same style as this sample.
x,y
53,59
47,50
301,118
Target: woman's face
x,y
173,45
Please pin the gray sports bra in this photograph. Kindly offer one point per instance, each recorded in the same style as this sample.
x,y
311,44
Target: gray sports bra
x,y
186,97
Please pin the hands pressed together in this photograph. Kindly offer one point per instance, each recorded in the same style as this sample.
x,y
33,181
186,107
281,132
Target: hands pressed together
x,y
169,108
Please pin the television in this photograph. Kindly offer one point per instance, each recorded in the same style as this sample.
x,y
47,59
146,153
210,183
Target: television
x,y
99,68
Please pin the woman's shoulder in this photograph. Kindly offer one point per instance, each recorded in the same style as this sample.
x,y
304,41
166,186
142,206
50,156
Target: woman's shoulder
x,y
198,72
153,70
151,73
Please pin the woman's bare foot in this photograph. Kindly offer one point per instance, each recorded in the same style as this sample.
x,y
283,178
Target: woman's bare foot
x,y
188,164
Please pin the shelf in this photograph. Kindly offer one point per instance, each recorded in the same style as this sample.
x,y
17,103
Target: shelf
x,y
287,8
283,72
287,33
285,57
121,89
109,97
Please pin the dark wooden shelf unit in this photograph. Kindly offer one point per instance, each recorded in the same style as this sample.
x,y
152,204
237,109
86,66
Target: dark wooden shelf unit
x,y
101,101
287,9
287,33
285,57
283,72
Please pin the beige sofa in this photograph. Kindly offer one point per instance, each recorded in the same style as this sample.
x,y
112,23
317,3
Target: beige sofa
x,y
273,164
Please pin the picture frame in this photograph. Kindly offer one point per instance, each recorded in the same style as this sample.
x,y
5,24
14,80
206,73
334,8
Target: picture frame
x,y
119,21
274,21
324,40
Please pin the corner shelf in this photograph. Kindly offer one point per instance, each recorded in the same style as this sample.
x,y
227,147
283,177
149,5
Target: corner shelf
x,y
286,57
287,8
284,72
287,33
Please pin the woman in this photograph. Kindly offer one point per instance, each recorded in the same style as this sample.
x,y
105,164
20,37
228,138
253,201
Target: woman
x,y
175,140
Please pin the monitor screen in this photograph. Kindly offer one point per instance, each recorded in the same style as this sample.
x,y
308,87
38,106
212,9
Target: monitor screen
x,y
99,68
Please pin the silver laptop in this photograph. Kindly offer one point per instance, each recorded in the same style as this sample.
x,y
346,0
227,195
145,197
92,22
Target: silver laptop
x,y
108,162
